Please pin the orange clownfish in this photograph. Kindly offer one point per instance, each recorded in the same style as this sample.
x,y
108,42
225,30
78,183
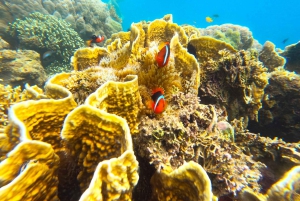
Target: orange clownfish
x,y
158,103
163,55
95,39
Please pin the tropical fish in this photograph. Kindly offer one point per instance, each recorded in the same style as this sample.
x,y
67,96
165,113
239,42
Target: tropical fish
x,y
158,103
162,57
215,15
285,40
95,39
47,54
209,19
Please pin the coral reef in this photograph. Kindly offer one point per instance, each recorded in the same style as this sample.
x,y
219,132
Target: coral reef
x,y
291,54
98,121
190,132
124,177
29,174
269,57
239,37
46,33
287,188
20,67
234,81
86,17
279,116
188,182
33,126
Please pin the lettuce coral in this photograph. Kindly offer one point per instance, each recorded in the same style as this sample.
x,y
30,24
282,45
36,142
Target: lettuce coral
x,y
104,124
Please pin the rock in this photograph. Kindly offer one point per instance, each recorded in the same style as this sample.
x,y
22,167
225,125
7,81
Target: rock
x,y
19,68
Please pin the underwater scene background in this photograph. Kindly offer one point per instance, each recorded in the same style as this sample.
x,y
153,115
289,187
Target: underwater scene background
x,y
274,20
149,101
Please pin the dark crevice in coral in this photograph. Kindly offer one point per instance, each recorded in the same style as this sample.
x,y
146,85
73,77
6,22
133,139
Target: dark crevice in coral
x,y
68,187
192,50
143,191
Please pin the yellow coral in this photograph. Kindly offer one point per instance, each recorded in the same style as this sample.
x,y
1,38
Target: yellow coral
x,y
29,173
87,57
287,188
43,119
208,48
163,31
123,36
119,98
191,31
249,195
113,179
94,132
189,182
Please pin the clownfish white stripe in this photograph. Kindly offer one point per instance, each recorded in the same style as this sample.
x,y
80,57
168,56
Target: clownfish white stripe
x,y
157,101
166,55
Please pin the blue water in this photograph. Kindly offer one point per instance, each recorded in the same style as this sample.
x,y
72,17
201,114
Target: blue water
x,y
274,20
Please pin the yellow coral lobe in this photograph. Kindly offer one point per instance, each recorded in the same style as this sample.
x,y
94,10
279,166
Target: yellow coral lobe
x,y
113,179
189,182
94,135
208,48
29,172
88,57
95,132
119,98
161,30
42,119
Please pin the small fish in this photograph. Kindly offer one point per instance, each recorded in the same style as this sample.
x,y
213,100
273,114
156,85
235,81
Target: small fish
x,y
209,19
215,15
95,39
285,40
48,54
158,103
162,57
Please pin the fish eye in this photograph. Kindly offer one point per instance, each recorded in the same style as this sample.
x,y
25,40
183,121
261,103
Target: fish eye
x,y
94,36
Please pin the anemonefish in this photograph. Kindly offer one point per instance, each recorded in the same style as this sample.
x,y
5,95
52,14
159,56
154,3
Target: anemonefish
x,y
209,19
163,55
158,103
95,39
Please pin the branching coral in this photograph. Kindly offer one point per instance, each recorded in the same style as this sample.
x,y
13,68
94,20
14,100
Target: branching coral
x,y
45,32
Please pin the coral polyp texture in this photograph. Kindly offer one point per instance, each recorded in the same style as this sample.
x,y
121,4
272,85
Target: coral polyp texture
x,y
188,182
98,122
46,33
86,17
